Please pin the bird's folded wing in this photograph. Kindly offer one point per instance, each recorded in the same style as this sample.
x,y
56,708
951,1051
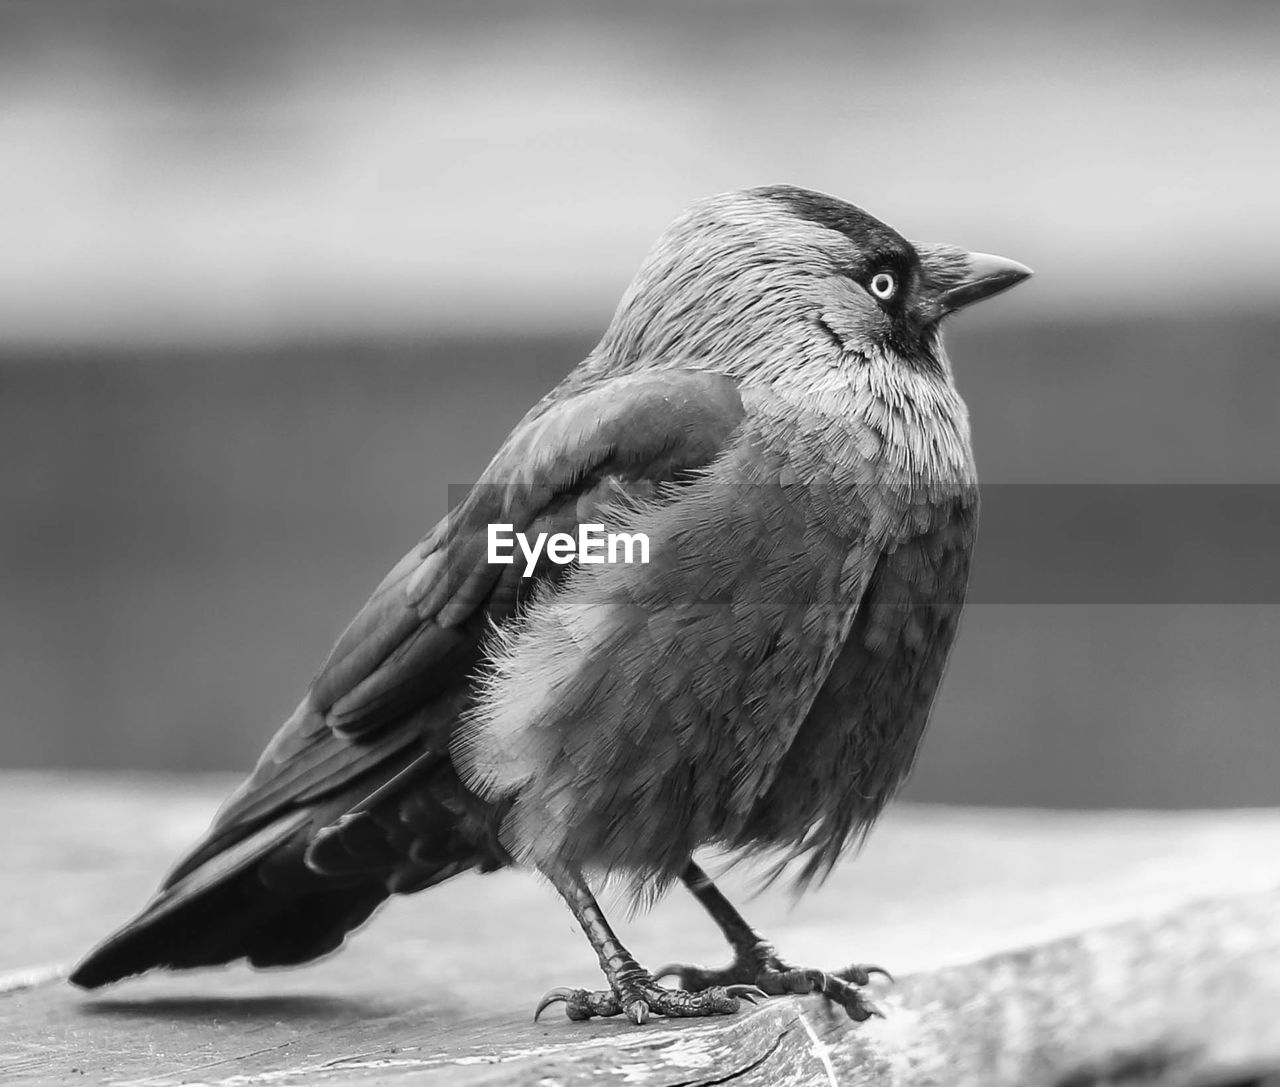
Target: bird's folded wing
x,y
393,683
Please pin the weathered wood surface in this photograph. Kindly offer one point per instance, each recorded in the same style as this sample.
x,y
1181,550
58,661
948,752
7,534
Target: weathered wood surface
x,y
1032,948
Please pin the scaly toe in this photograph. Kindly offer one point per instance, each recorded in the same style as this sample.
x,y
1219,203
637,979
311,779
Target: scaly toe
x,y
640,1001
856,1006
795,980
580,1003
839,988
680,1003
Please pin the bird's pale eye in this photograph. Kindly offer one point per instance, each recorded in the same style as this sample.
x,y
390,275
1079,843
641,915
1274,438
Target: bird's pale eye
x,y
884,285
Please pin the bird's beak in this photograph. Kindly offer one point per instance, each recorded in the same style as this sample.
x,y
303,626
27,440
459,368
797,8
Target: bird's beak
x,y
956,278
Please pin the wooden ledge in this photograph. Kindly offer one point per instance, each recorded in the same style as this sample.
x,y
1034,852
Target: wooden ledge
x,y
1032,947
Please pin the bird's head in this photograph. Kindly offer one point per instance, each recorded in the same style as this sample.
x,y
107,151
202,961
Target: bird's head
x,y
757,280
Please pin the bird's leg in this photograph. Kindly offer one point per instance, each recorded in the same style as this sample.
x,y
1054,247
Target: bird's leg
x,y
756,961
632,989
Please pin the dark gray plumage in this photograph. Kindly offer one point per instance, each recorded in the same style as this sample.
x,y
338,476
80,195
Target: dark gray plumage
x,y
772,407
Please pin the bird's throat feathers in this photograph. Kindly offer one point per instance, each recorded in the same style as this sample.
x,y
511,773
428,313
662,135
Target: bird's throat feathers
x,y
911,421
908,422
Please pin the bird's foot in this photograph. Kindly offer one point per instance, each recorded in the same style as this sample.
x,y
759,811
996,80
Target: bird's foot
x,y
641,996
763,968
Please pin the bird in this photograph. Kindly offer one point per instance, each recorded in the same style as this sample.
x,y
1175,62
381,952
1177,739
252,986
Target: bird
x,y
772,410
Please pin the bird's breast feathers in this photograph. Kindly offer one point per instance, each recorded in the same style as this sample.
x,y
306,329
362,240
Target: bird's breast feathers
x,y
683,683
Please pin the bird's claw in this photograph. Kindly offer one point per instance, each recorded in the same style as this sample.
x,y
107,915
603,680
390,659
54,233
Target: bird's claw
x,y
860,973
638,1000
773,977
577,1002
753,994
856,1006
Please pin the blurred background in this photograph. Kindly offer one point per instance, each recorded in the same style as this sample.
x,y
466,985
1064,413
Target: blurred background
x,y
273,275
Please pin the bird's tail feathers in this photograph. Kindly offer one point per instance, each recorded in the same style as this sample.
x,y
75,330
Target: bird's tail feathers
x,y
227,909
